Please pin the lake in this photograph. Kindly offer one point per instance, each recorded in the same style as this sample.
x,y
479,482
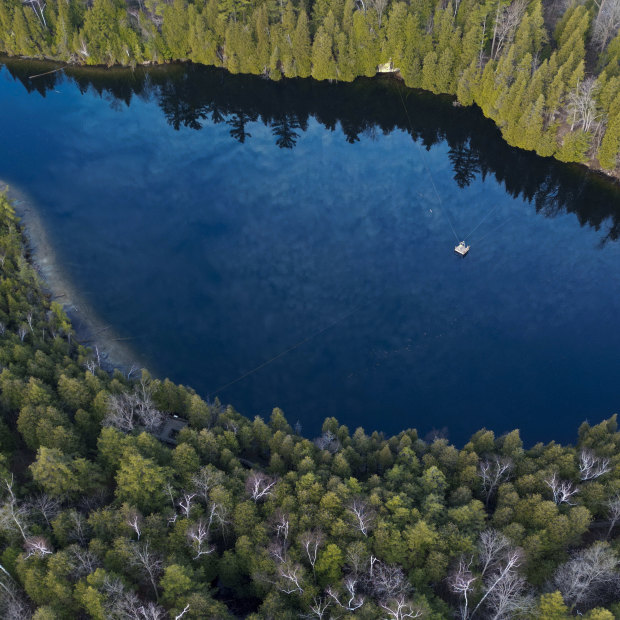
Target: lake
x,y
292,244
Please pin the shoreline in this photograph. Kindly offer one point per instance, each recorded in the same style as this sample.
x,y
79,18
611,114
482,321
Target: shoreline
x,y
90,330
613,175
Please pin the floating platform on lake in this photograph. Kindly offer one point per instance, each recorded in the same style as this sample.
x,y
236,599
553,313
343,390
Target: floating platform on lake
x,y
461,248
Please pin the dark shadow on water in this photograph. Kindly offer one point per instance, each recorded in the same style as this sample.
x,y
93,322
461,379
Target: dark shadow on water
x,y
190,95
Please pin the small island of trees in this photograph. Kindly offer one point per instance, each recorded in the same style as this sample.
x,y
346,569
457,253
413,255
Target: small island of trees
x,y
248,518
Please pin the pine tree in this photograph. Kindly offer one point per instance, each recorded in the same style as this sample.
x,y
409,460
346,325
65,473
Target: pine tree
x,y
201,40
468,83
302,50
175,29
429,71
346,61
610,145
7,38
285,42
574,147
395,36
323,63
363,46
263,39
534,125
416,46
275,64
444,78
531,34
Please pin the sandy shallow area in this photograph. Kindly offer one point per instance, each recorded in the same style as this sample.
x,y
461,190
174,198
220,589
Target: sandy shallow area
x,y
90,329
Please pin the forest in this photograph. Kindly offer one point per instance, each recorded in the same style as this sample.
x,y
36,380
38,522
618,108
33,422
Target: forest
x,y
103,514
548,73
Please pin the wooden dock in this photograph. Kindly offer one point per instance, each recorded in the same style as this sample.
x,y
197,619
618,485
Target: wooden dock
x,y
461,248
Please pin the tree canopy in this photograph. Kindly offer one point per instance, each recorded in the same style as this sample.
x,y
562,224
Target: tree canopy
x,y
236,517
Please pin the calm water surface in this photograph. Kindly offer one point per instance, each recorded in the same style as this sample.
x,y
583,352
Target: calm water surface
x,y
223,221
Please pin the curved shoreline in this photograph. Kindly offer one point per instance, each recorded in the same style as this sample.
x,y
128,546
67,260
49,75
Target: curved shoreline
x,y
90,330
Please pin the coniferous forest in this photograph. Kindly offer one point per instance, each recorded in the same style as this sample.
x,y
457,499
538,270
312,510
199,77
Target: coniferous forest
x,y
124,496
547,73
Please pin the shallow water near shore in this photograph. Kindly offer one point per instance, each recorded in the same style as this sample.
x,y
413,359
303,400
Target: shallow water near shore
x,y
292,245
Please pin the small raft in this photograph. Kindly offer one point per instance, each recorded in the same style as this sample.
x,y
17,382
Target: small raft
x,y
461,248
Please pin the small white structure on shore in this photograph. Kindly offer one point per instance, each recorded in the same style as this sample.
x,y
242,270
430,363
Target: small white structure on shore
x,y
387,67
461,248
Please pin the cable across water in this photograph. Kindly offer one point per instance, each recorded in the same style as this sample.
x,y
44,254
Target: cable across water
x,y
428,170
295,346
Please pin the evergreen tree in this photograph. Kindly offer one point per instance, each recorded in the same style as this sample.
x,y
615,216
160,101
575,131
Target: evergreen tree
x,y
610,145
302,49
323,63
263,45
175,29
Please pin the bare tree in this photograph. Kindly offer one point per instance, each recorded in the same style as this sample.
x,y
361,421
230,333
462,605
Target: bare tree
x,y
613,510
379,6
147,562
582,105
151,611
85,561
504,589
150,417
492,546
387,581
38,8
362,515
507,20
497,585
198,536
311,542
13,514
91,366
606,23
134,521
129,606
259,486
357,557
119,603
592,466
80,529
186,503
589,578
126,410
509,597
318,608
180,615
290,578
13,605
21,332
328,441
37,546
461,582
120,413
562,490
493,471
400,608
350,599
281,526
207,478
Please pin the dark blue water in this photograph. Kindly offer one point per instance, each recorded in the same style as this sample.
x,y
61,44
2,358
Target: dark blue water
x,y
223,222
